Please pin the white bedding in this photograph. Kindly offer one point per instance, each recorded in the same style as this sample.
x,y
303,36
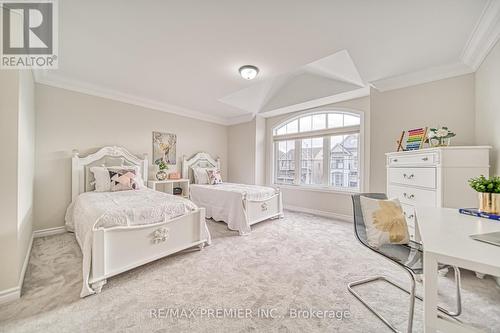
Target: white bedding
x,y
94,210
224,202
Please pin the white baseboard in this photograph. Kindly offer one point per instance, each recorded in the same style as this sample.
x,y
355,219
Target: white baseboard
x,y
26,261
49,232
10,295
331,215
15,293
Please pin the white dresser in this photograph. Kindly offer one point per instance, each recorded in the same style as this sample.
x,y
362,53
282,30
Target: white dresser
x,y
436,177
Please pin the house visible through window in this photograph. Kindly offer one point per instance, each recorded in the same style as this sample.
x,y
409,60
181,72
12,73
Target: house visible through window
x,y
327,146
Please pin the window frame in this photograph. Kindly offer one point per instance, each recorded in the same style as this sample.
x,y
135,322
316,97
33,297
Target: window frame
x,y
326,134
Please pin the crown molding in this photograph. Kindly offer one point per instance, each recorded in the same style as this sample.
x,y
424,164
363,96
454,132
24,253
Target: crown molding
x,y
485,35
345,96
41,77
483,38
240,119
423,76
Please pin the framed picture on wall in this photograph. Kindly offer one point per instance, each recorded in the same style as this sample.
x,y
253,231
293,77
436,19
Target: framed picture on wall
x,y
164,148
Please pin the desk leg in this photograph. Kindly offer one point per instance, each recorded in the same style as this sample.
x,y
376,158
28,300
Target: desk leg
x,y
430,292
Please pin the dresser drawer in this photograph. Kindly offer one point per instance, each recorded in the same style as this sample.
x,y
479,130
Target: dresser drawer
x,y
419,159
424,177
412,234
409,213
412,196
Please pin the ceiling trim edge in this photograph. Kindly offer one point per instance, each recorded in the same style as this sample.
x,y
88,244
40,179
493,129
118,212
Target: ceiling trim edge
x,y
423,76
484,36
98,91
352,94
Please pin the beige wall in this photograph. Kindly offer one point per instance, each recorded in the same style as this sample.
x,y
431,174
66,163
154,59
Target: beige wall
x,y
488,106
241,152
448,102
9,87
26,165
260,150
17,122
247,152
69,120
325,202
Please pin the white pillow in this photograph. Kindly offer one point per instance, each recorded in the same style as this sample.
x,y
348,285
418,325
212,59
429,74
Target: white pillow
x,y
201,175
385,222
102,179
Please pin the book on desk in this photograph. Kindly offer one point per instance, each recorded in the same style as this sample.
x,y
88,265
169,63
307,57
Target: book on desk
x,y
477,213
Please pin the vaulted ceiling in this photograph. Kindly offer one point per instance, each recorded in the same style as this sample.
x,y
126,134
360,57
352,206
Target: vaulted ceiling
x,y
183,56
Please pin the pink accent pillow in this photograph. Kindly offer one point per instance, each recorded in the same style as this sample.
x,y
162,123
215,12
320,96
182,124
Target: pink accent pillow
x,y
214,176
123,179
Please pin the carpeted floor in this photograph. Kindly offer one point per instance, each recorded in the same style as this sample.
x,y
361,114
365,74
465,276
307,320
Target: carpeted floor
x,y
264,281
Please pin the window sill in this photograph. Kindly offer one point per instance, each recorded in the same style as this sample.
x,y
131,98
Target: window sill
x,y
316,189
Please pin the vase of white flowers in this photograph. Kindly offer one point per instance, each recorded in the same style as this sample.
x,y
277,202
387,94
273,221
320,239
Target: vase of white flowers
x,y
440,136
161,174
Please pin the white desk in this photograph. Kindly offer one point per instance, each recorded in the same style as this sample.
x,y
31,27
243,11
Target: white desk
x,y
445,237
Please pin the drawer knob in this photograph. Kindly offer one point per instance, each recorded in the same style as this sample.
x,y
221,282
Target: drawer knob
x,y
405,176
408,196
395,160
425,158
411,216
263,207
160,235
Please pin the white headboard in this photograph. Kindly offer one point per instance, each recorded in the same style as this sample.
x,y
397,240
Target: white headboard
x,y
199,160
81,177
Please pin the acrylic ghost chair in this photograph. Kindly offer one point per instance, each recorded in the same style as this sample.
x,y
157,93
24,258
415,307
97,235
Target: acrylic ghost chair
x,y
407,256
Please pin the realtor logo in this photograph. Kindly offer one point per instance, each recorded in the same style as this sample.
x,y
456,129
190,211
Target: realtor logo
x,y
29,34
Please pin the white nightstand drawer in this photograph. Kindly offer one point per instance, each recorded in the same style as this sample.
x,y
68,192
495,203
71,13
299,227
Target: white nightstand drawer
x,y
412,196
418,159
424,177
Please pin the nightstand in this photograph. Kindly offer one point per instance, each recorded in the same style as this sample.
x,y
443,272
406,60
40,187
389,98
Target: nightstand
x,y
167,186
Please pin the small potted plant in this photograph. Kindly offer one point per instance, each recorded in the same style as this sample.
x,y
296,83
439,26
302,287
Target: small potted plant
x,y
489,193
162,167
440,137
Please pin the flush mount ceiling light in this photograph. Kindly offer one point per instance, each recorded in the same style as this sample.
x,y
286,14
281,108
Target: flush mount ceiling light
x,y
248,72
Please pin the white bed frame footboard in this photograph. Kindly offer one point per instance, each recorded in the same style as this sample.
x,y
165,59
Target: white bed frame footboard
x,y
260,210
119,249
116,250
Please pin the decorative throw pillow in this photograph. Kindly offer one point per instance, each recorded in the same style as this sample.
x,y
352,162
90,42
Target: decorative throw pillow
x,y
102,181
201,175
214,176
385,222
123,179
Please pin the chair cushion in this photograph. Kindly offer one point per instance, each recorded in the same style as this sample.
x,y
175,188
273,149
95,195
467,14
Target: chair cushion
x,y
385,222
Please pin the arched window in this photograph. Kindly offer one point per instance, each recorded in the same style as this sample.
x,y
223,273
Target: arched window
x,y
319,149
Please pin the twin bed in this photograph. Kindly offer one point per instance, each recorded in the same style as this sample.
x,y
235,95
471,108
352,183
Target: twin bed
x,y
238,205
121,230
